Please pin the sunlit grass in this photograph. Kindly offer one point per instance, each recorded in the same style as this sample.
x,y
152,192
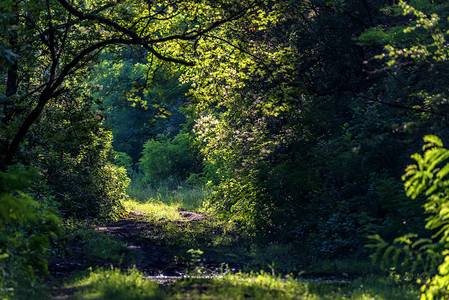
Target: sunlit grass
x,y
154,210
266,286
164,201
132,284
114,284
180,195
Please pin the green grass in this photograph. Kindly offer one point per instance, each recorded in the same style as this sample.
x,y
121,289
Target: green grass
x,y
180,195
154,210
114,284
132,284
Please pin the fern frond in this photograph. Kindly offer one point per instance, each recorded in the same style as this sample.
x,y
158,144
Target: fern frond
x,y
432,140
405,239
435,157
443,172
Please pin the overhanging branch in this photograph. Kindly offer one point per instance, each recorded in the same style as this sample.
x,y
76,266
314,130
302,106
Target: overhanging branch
x,y
397,105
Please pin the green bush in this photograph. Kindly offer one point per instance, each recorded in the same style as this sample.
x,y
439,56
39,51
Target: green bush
x,y
165,158
86,188
429,176
124,160
75,158
27,233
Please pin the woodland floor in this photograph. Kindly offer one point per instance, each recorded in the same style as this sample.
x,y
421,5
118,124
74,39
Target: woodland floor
x,y
147,254
167,252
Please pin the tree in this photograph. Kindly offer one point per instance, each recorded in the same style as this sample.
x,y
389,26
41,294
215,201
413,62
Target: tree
x,y
138,102
57,40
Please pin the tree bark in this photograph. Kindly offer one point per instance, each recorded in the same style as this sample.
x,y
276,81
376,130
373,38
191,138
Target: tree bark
x,y
30,119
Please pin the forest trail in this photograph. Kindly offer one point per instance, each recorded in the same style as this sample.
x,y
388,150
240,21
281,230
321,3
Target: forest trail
x,y
136,232
140,235
161,250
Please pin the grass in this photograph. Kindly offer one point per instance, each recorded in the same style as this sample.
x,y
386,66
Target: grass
x,y
165,200
132,284
113,284
154,210
179,195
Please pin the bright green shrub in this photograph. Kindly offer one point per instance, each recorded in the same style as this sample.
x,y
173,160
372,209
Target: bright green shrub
x,y
430,177
27,232
124,160
165,158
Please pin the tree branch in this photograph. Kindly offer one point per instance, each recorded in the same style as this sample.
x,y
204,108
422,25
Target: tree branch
x,y
397,105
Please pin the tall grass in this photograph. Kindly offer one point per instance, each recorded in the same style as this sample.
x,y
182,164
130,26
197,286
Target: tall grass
x,y
154,210
172,193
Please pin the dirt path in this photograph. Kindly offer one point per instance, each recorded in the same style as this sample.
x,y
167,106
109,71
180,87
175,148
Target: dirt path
x,y
134,230
137,233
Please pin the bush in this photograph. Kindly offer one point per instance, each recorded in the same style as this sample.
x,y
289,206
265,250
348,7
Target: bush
x,y
86,186
429,176
124,160
74,153
167,158
27,232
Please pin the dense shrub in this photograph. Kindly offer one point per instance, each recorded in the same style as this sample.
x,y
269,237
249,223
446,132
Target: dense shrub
x,y
165,158
27,232
74,151
123,160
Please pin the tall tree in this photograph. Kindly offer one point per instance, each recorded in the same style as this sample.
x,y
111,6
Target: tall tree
x,y
57,39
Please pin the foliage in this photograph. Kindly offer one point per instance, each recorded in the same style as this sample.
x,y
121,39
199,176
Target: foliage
x,y
123,160
286,134
240,113
139,101
29,234
74,152
240,201
422,39
429,177
165,158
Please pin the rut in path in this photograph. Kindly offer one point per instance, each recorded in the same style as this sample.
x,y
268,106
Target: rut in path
x,y
150,257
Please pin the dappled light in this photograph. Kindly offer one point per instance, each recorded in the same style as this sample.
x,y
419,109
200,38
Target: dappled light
x,y
224,149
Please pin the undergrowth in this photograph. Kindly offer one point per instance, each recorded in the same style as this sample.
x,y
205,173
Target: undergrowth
x,y
132,284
